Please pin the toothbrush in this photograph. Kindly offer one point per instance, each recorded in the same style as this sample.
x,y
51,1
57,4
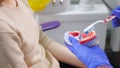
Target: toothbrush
x,y
91,27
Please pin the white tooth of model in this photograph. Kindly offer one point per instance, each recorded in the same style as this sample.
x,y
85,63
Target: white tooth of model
x,y
86,5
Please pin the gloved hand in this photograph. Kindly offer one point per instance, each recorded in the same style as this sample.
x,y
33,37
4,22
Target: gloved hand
x,y
92,57
116,21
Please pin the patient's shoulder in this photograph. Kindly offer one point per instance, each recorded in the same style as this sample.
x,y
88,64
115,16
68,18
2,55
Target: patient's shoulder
x,y
4,27
25,2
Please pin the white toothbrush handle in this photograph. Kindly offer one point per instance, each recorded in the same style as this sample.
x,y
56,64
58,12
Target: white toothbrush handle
x,y
99,21
92,25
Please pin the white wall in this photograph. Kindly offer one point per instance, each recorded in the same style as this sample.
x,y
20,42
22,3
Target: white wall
x,y
77,1
113,3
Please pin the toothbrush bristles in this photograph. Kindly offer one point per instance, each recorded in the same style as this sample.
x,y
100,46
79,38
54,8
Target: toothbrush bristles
x,y
89,30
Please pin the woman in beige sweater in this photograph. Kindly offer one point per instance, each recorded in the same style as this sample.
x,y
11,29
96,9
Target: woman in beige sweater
x,y
24,45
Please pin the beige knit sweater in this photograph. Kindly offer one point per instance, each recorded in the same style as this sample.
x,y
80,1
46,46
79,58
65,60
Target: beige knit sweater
x,y
22,43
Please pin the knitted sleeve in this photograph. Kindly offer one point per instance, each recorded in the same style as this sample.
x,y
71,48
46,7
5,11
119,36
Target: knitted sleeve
x,y
11,55
44,40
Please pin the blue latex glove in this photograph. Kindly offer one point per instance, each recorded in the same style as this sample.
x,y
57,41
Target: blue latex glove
x,y
92,57
116,21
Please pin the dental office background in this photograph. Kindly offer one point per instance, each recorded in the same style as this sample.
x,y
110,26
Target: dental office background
x,y
78,14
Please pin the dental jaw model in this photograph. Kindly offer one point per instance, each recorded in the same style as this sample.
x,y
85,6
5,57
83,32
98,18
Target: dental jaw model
x,y
83,38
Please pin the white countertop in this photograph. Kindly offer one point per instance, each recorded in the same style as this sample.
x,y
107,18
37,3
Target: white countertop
x,y
75,14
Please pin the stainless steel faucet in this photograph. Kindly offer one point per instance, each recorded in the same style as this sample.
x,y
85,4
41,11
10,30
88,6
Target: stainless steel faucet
x,y
60,1
53,2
